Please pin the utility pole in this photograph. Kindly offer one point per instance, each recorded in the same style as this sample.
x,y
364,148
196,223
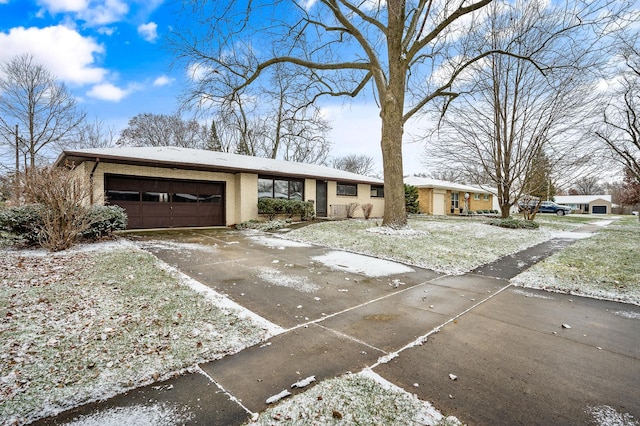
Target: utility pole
x,y
17,176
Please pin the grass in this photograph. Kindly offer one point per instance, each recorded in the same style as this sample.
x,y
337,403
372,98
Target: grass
x,y
78,326
353,399
606,265
448,245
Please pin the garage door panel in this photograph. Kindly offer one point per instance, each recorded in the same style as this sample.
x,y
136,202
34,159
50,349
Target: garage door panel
x,y
599,209
163,203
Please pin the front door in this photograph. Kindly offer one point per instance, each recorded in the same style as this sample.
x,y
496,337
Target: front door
x,y
321,198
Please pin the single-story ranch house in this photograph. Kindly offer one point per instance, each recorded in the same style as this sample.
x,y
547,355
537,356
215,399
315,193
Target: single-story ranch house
x,y
165,187
594,204
438,197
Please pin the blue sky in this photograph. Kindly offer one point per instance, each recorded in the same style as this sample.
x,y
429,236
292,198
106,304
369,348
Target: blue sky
x,y
112,55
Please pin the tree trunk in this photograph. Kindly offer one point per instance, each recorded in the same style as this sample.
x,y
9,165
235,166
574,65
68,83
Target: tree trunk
x,y
391,113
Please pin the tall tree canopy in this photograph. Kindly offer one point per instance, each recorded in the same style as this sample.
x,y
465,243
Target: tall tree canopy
x,y
407,53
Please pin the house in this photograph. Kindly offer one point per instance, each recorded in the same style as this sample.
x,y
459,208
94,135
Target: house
x,y
165,187
438,197
594,204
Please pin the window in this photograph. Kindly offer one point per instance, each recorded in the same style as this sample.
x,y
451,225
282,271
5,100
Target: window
x,y
476,197
113,195
454,200
486,197
158,197
377,191
348,189
292,189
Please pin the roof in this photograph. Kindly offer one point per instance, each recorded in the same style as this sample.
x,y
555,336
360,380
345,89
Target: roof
x,y
421,182
197,159
581,199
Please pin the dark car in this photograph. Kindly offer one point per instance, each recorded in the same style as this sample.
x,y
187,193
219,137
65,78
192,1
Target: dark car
x,y
550,207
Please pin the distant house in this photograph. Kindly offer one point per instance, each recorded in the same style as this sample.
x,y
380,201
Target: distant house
x,y
438,197
165,187
594,204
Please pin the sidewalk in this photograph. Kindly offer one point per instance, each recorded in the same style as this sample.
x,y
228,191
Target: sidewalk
x,y
515,362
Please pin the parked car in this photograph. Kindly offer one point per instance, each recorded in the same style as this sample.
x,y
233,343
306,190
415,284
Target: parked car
x,y
550,207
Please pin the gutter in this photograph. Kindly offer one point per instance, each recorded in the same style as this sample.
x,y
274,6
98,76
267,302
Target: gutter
x,y
93,170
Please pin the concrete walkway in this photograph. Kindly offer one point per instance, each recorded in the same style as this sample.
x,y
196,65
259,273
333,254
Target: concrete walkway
x,y
515,362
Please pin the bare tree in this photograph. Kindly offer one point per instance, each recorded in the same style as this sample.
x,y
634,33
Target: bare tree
x,y
620,127
43,109
94,134
527,105
588,185
354,163
163,130
408,52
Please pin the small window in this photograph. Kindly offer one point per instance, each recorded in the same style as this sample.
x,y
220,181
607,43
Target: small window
x,y
158,197
486,197
184,198
476,197
347,189
213,199
123,195
377,191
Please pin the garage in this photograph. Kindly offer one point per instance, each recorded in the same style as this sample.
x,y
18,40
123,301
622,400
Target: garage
x,y
166,203
599,209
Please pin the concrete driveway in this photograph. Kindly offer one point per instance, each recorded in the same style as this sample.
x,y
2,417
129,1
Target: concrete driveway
x,y
514,361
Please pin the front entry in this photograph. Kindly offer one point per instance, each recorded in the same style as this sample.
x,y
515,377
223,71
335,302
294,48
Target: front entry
x,y
321,198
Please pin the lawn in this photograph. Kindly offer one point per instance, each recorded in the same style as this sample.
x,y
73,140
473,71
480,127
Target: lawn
x,y
606,265
86,324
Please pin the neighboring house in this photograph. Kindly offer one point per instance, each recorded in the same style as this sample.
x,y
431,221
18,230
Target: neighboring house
x,y
594,204
165,187
438,197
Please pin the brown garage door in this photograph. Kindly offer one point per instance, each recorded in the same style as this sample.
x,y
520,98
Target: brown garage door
x,y
166,203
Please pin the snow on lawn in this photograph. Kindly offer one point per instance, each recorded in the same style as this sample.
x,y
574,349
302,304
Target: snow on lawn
x,y
363,398
448,245
87,324
605,266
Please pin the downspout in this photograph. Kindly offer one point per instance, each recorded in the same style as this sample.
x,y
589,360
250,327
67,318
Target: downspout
x,y
93,170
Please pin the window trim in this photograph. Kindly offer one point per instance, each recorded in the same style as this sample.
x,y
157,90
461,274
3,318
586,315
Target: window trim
x,y
377,189
344,186
289,181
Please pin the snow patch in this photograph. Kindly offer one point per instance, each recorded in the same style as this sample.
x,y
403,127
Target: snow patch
x,y
531,294
277,242
402,232
275,398
567,235
363,265
296,282
628,314
176,246
158,414
603,415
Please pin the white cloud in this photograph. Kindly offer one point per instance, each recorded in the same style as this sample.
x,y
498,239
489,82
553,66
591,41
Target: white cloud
x,y
108,92
94,12
163,80
149,31
63,51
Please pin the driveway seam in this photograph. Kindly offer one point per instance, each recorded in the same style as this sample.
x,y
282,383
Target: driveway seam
x,y
353,339
199,370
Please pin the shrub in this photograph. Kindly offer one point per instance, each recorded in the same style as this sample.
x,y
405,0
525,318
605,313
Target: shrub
x,y
366,210
512,223
23,222
104,220
272,207
411,199
351,209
